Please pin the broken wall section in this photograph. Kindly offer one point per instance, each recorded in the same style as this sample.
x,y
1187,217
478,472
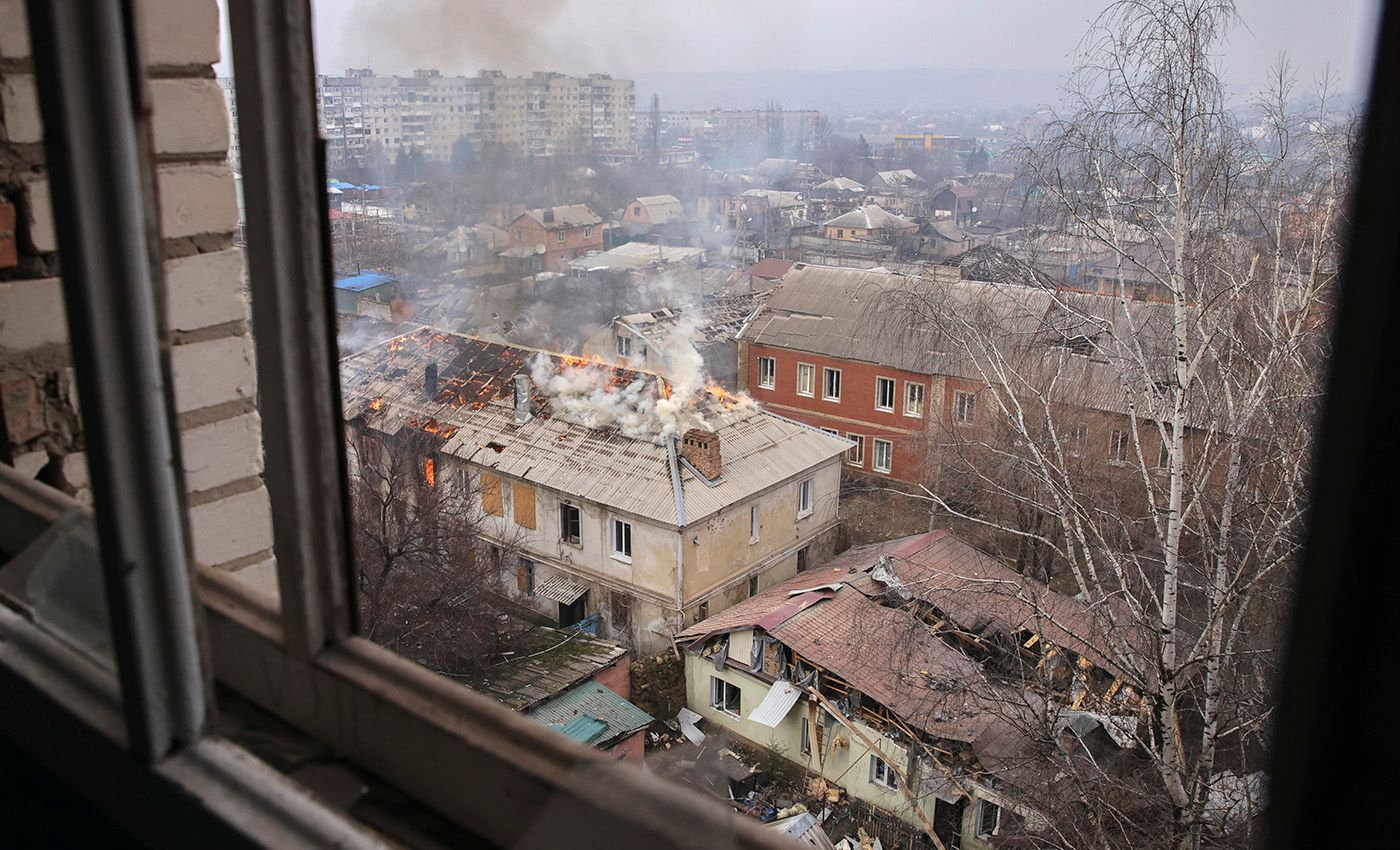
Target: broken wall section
x,y
207,305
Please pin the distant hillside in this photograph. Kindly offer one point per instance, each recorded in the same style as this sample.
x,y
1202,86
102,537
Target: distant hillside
x,y
850,91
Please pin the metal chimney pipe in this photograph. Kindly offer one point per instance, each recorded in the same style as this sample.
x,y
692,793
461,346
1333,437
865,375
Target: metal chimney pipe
x,y
522,399
430,380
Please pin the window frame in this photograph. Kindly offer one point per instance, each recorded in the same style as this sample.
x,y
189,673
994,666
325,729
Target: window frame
x,y
918,412
858,448
964,402
1118,439
719,697
577,539
879,766
875,455
882,381
755,524
623,345
772,374
982,808
620,532
811,370
827,372
804,498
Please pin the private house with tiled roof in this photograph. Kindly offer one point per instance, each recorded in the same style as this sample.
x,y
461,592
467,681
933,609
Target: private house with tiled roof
x,y
870,223
884,673
626,507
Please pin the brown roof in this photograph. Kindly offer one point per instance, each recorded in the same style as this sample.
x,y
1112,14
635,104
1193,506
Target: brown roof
x,y
770,268
572,215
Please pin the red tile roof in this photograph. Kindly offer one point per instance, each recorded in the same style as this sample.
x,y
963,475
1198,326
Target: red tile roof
x,y
770,268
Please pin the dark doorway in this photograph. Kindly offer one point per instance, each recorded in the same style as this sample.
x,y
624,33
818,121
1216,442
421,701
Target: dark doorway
x,y
947,823
574,612
802,558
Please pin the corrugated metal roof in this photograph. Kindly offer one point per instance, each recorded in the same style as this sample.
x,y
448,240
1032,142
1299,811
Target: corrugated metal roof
x,y
661,208
593,701
776,704
561,589
583,729
474,414
364,281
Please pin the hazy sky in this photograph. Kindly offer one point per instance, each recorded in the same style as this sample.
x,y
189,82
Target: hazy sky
x,y
634,36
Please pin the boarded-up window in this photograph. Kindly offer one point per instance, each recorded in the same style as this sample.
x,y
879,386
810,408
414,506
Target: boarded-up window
x,y
522,498
491,495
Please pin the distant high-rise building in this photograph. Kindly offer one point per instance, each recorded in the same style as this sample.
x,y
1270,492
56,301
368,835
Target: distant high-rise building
x,y
544,114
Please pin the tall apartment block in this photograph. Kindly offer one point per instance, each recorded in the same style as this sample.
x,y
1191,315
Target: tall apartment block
x,y
544,114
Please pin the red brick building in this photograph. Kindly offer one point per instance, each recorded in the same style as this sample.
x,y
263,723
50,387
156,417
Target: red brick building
x,y
830,349
565,233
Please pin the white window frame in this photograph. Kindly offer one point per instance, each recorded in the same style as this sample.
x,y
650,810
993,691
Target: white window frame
x,y
858,448
755,523
964,407
882,773
881,382
719,697
810,370
875,455
624,345
1117,440
982,808
620,540
827,372
768,380
914,410
804,498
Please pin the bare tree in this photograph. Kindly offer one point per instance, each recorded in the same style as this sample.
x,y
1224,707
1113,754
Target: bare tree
x,y
429,582
1148,449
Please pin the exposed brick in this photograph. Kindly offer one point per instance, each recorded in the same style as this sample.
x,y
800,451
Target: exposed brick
x,y
196,199
179,32
21,103
205,289
225,451
189,117
232,528
14,30
42,236
31,314
261,578
214,372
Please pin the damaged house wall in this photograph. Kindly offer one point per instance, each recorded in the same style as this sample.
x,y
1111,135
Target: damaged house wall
x,y
205,295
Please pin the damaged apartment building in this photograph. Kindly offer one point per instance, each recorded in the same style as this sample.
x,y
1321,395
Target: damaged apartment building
x,y
663,340
625,502
914,675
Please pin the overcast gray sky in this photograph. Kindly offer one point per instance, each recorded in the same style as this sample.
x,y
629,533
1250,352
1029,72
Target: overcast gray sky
x,y
634,36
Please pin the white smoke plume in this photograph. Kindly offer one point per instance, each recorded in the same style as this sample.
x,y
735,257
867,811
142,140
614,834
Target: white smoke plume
x,y
589,393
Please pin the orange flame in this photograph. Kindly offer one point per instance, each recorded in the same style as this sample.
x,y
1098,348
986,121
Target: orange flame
x,y
429,472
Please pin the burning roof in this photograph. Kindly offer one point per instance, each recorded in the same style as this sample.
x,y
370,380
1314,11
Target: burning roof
x,y
593,429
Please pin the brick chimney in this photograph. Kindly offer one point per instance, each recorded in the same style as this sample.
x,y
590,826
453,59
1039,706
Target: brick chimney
x,y
701,448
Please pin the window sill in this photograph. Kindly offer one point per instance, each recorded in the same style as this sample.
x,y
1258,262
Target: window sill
x,y
884,410
803,516
621,558
378,708
832,400
806,395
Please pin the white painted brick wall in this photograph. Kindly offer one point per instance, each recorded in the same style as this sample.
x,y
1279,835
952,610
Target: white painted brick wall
x,y
205,289
196,199
31,314
214,372
179,32
23,125
232,528
41,229
189,117
14,30
223,452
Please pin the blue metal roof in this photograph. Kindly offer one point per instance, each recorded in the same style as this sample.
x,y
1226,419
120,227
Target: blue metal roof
x,y
364,281
578,712
583,729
